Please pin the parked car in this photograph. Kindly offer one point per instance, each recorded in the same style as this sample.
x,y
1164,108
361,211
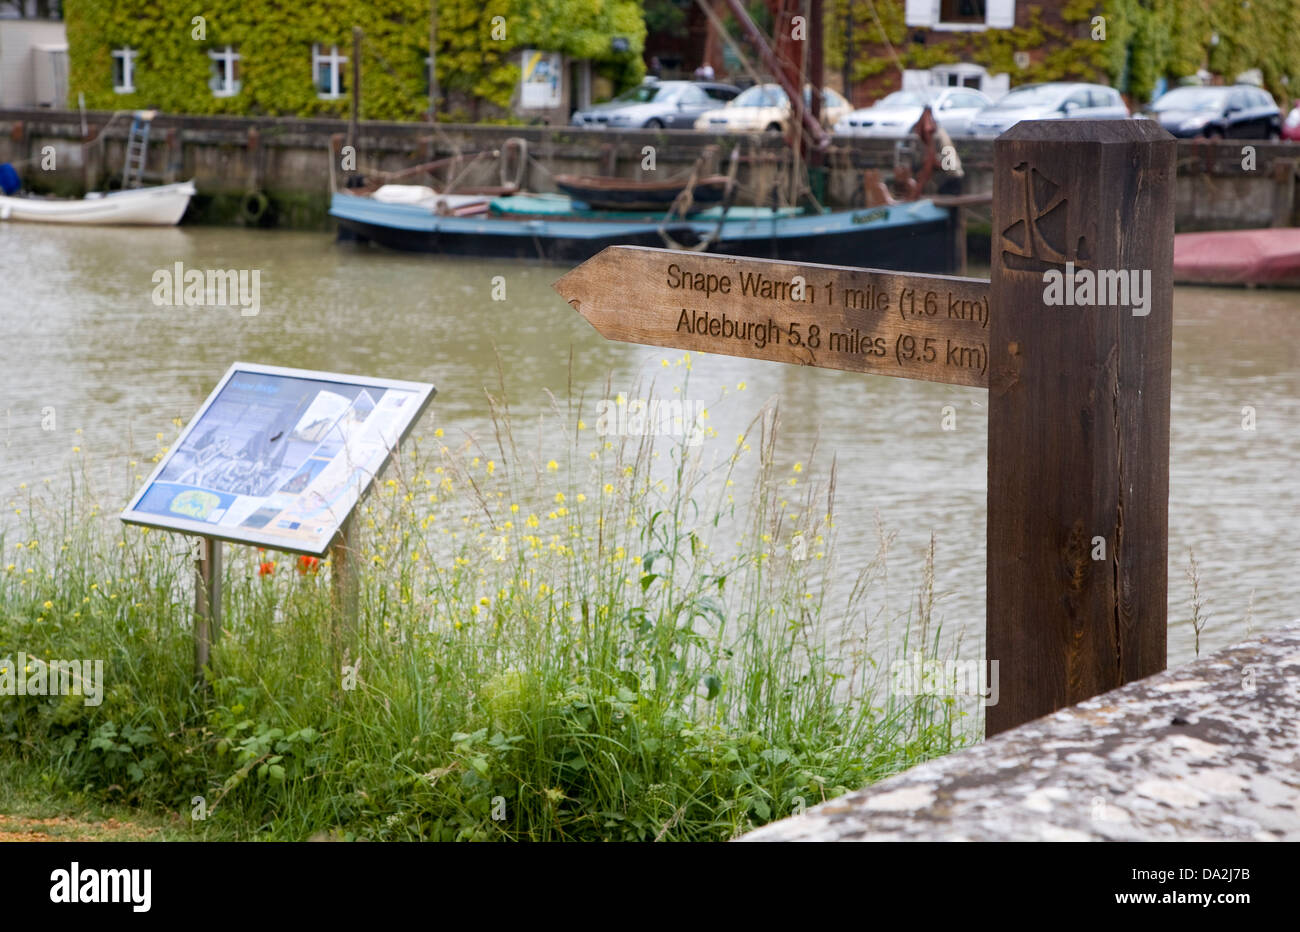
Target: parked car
x,y
766,108
1057,100
895,114
657,105
1239,112
1291,125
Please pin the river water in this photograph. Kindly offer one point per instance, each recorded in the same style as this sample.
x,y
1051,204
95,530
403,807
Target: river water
x,y
84,348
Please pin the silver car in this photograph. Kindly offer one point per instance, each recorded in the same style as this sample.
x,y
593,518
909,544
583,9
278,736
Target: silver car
x,y
657,105
1055,101
894,115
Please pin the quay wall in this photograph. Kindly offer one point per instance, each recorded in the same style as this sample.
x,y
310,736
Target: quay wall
x,y
1220,185
1203,752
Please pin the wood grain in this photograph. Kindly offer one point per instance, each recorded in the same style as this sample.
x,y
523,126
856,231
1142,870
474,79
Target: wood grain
x,y
928,327
1078,416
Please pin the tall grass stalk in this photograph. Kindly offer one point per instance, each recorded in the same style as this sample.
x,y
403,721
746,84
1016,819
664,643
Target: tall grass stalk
x,y
562,635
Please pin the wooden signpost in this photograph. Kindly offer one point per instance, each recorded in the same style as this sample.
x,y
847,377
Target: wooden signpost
x,y
887,323
1072,338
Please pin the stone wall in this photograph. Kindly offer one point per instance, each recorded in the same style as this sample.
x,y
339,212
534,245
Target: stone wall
x,y
1208,751
290,161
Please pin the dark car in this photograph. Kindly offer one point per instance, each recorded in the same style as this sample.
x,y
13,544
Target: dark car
x,y
1239,112
657,105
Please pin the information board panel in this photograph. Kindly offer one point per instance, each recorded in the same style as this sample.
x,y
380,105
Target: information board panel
x,y
278,457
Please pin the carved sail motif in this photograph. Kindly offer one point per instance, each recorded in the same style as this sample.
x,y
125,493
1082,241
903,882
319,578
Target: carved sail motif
x,y
1041,237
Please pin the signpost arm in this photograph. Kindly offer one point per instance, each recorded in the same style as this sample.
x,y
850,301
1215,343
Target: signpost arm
x,y
1078,482
207,602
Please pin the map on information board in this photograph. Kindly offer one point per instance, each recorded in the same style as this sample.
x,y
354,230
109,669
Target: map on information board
x,y
278,457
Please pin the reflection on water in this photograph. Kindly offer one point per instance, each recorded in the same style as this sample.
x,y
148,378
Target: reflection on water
x,y
86,348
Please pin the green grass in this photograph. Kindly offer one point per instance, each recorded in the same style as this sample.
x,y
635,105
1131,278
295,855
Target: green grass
x,y
562,635
31,805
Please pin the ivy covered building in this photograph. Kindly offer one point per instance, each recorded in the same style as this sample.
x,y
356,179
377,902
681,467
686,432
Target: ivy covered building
x,y
1140,47
496,59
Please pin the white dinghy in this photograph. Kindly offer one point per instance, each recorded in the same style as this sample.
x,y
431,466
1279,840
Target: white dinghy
x,y
163,205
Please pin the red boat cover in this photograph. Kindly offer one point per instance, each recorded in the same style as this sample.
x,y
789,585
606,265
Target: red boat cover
x,y
1238,257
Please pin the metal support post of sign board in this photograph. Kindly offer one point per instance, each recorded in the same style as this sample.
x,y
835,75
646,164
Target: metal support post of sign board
x,y
207,603
343,593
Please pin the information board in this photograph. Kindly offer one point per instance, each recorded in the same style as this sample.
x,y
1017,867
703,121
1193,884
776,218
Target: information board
x,y
540,79
278,457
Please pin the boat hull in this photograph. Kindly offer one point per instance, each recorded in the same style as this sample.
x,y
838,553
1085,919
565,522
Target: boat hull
x,y
1239,257
623,194
911,237
158,206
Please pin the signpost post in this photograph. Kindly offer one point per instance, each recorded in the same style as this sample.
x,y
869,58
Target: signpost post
x,y
1072,338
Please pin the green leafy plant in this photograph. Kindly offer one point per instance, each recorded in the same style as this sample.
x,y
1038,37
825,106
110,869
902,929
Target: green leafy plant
x,y
590,637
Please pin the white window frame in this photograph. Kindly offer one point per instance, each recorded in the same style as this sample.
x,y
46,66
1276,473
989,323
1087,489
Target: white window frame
x,y
224,59
336,63
127,56
998,14
943,75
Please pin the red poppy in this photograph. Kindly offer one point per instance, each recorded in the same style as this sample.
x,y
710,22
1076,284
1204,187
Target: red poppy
x,y
266,569
308,564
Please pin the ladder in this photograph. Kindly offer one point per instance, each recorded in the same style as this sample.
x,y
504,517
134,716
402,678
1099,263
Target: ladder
x,y
137,149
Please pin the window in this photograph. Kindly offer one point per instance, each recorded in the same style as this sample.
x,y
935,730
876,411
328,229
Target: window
x,y
720,93
961,11
901,99
327,72
224,81
692,96
1104,97
1079,100
965,76
832,98
960,15
124,70
761,95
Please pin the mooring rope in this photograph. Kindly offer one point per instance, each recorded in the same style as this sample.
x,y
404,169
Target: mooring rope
x,y
687,198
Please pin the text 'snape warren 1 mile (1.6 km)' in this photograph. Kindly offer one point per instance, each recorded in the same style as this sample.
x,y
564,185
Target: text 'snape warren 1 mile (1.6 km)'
x,y
933,328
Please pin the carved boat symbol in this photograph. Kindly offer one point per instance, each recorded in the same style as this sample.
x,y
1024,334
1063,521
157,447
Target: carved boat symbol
x,y
1041,237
